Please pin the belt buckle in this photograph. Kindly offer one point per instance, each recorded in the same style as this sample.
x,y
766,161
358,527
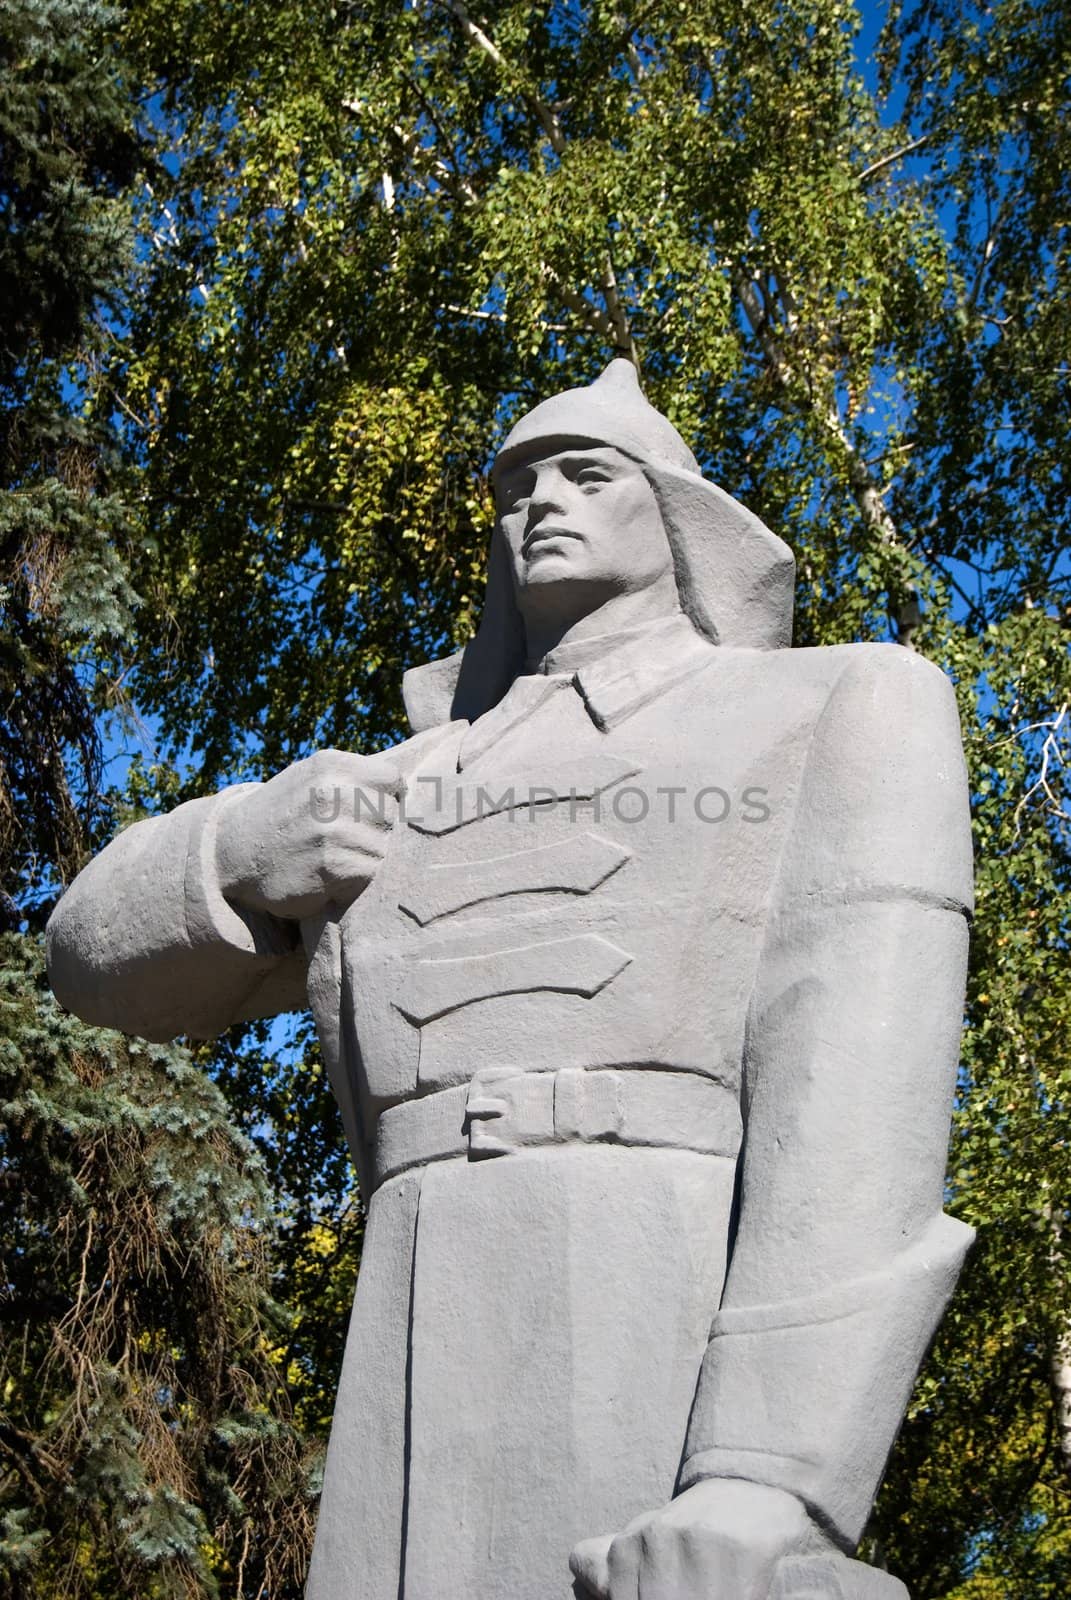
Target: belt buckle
x,y
506,1110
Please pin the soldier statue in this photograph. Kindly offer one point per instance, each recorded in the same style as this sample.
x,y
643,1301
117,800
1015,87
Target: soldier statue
x,y
638,971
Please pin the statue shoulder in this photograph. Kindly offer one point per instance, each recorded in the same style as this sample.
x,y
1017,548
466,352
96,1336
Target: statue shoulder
x,y
890,698
867,692
885,779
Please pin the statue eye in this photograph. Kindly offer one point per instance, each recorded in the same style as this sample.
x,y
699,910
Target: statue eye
x,y
590,476
514,491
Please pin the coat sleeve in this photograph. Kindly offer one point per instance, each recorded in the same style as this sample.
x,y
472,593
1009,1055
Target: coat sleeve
x,y
144,940
843,1260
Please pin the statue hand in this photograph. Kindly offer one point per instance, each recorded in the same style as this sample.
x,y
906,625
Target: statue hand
x,y
720,1540
312,836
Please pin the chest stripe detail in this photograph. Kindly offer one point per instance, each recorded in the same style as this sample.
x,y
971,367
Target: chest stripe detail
x,y
581,965
437,806
571,866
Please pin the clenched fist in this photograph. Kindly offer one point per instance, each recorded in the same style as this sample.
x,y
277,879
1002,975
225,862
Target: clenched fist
x,y
720,1540
311,837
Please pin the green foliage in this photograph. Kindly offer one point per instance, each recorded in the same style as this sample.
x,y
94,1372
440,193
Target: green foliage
x,y
282,1101
68,148
67,153
146,1438
145,1441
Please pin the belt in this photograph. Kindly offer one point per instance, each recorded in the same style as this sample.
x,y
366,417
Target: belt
x,y
502,1111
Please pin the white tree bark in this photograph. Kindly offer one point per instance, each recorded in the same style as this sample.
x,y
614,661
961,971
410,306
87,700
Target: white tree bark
x,y
866,488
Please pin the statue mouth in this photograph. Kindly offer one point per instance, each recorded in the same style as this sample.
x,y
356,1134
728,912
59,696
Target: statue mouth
x,y
542,535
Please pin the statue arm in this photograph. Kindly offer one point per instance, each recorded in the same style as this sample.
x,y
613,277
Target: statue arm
x,y
144,940
843,1260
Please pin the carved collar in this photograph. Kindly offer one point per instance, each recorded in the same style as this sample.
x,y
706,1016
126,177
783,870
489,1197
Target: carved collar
x,y
640,666
614,675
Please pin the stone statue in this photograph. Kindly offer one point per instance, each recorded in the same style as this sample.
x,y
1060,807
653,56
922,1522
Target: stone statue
x,y
638,971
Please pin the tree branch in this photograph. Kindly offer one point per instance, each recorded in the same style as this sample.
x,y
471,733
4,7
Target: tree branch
x,y
456,186
613,323
894,155
617,316
548,117
992,234
595,320
866,489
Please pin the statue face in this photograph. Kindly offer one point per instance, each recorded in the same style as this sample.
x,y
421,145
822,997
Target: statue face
x,y
582,519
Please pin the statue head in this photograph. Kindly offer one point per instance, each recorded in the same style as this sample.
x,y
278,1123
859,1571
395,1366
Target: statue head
x,y
733,577
584,538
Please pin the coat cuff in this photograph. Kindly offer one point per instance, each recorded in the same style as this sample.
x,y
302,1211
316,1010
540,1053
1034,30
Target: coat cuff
x,y
265,950
807,1395
210,917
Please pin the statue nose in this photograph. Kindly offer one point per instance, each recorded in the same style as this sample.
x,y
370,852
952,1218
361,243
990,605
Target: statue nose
x,y
541,506
547,496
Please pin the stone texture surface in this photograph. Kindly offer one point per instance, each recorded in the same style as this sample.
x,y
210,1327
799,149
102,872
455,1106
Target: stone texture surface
x,y
639,973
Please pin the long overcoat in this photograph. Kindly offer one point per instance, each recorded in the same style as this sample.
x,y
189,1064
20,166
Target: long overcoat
x,y
645,1036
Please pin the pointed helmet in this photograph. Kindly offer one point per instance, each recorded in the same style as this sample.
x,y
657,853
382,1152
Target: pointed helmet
x,y
735,578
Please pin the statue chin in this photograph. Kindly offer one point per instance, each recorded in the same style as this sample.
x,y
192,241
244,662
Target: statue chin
x,y
553,566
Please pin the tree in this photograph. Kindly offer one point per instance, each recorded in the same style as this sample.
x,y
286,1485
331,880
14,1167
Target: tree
x,y
388,229
67,150
145,1438
147,1443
